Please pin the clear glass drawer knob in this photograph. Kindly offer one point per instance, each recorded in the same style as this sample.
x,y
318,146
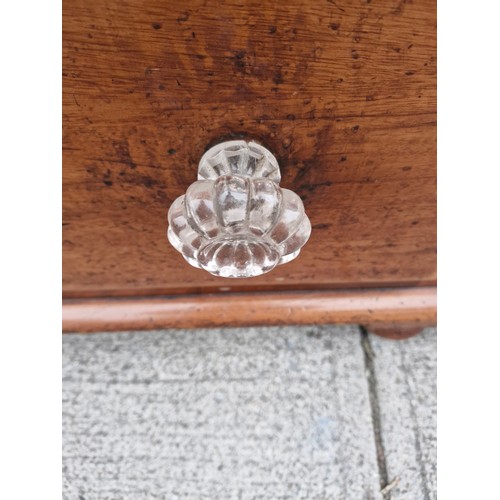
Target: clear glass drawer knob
x,y
235,221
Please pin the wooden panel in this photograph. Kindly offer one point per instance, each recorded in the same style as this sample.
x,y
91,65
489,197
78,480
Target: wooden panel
x,y
342,92
416,306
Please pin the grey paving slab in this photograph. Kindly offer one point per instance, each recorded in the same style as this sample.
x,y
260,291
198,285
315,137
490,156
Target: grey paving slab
x,y
406,389
258,413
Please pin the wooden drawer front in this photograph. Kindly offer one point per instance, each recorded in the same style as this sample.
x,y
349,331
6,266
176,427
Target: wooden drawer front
x,y
343,93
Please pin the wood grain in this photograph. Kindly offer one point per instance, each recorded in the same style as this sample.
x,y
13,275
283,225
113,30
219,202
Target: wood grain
x,y
396,330
344,94
375,306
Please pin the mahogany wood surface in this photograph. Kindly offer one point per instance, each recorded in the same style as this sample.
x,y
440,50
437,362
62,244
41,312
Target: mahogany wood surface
x,y
397,330
343,93
376,307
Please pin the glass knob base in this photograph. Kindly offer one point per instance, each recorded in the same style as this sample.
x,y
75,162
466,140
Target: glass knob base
x,y
235,221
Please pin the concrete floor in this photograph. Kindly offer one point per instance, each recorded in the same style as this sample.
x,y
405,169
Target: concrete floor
x,y
316,412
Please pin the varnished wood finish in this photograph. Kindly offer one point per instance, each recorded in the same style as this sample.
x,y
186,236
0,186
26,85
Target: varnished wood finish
x,y
396,330
373,306
342,92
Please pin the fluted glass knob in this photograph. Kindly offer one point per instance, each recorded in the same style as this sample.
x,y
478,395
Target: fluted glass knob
x,y
235,221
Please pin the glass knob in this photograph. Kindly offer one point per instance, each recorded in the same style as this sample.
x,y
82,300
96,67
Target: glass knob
x,y
235,221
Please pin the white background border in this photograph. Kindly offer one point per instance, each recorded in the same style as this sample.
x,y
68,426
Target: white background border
x,y
30,184
468,250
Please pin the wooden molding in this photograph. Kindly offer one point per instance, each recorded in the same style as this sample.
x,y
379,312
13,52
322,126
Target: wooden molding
x,y
378,308
395,330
